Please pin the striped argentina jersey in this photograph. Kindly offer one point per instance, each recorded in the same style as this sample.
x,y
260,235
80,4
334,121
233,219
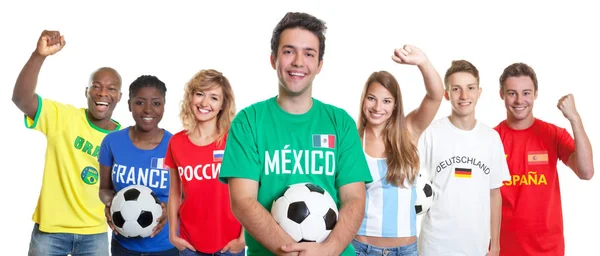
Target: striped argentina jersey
x,y
389,210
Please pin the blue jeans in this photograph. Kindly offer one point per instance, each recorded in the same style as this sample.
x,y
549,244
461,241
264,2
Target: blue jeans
x,y
117,250
54,244
363,249
188,252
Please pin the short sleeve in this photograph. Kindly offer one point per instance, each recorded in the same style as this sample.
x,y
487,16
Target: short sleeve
x,y
565,144
48,117
352,164
169,158
241,159
424,150
499,170
106,156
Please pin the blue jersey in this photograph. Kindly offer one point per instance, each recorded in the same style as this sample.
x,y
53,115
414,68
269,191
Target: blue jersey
x,y
133,166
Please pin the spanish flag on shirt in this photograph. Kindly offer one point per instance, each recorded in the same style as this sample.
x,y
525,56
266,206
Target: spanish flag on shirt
x,y
537,157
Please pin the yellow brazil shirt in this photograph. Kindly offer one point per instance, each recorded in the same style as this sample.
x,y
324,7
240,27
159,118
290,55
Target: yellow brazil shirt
x,y
68,201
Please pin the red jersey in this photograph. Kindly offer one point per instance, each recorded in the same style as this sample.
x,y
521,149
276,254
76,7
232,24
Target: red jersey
x,y
532,222
205,217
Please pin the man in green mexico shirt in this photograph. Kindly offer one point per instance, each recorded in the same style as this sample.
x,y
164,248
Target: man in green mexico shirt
x,y
294,138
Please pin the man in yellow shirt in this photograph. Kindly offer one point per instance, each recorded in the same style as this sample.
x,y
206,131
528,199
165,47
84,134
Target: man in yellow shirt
x,y
69,217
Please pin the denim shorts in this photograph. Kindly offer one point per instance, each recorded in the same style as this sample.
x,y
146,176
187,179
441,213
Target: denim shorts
x,y
363,249
43,244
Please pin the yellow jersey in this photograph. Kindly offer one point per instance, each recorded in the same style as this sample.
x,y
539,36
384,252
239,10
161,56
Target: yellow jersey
x,y
68,201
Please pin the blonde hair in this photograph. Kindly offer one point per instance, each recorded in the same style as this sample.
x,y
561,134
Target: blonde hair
x,y
402,156
208,79
460,66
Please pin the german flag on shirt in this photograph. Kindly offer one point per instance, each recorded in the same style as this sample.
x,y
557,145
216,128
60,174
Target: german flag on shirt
x,y
462,173
537,157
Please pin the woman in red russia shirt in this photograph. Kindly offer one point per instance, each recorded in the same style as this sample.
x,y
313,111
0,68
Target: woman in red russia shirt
x,y
198,201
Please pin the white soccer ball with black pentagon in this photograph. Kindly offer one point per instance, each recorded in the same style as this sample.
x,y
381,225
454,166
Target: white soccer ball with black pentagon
x,y
135,211
424,194
306,212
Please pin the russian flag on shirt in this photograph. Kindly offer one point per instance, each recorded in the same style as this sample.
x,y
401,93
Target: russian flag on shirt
x,y
158,163
218,155
323,141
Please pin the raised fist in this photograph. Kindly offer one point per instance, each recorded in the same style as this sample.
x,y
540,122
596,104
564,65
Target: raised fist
x,y
566,105
50,42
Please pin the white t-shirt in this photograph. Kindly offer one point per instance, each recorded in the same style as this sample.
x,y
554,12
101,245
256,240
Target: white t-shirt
x,y
463,167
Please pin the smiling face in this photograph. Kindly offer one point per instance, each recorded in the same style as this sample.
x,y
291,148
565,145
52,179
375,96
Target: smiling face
x,y
103,94
378,104
207,103
297,62
518,95
463,93
147,107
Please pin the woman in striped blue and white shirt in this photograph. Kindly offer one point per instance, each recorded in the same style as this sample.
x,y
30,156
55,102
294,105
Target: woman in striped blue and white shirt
x,y
389,141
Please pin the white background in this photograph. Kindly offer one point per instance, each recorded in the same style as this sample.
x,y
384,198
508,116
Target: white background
x,y
174,40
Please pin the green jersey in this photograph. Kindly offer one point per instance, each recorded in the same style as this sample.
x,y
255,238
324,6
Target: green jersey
x,y
278,149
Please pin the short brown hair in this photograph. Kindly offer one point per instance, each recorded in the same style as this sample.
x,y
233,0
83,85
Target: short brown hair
x,y
303,21
516,70
461,66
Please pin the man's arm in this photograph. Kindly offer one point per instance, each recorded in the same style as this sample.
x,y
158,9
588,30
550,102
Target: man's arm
x,y
24,96
495,220
352,199
254,217
352,210
580,161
